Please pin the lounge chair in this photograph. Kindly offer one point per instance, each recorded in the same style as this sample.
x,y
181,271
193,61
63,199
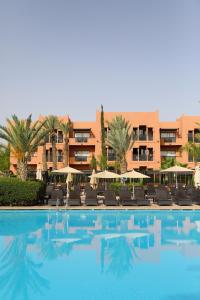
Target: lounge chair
x,y
91,198
125,198
163,197
110,198
100,189
140,198
151,192
182,198
74,198
196,196
56,198
49,190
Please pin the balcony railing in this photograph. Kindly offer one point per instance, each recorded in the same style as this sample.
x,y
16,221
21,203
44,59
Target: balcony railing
x,y
80,158
81,139
168,139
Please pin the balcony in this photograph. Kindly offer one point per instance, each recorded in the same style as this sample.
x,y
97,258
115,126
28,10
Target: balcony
x,y
176,141
82,141
79,160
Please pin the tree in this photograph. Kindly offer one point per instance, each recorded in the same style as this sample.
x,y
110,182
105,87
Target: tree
x,y
65,128
23,137
171,162
120,140
4,159
51,126
103,138
93,163
102,162
192,149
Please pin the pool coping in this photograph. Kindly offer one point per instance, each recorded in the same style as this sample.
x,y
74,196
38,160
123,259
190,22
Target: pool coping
x,y
103,207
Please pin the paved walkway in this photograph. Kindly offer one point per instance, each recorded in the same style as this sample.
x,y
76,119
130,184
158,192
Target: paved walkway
x,y
103,207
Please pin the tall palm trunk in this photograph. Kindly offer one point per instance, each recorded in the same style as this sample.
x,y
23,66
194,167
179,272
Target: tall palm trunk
x,y
22,170
44,158
54,154
123,166
65,151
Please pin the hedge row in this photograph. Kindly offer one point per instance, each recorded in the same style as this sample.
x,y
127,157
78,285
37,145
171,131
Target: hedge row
x,y
116,186
16,192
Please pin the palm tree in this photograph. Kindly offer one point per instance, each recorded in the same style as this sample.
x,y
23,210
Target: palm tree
x,y
120,140
19,274
192,149
4,158
51,125
23,137
93,163
65,128
44,158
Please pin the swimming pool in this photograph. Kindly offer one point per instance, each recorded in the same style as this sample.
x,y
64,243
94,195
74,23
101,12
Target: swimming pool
x,y
91,255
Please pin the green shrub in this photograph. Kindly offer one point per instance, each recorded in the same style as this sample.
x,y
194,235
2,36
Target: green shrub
x,y
16,192
116,186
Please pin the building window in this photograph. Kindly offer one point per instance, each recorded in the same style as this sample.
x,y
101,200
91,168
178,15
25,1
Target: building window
x,y
111,155
150,134
150,154
135,154
81,155
49,155
169,137
190,136
59,156
82,137
196,136
167,153
59,137
142,133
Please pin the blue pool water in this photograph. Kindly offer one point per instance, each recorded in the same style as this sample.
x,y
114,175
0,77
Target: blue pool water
x,y
91,255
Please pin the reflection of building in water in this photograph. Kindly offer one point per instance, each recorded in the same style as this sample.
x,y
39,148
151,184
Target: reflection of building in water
x,y
141,235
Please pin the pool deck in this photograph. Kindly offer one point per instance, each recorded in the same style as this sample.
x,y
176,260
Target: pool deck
x,y
103,207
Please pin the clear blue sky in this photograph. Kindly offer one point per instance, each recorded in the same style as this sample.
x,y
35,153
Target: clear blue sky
x,y
60,56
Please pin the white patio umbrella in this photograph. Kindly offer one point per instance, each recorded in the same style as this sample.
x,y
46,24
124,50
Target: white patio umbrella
x,y
134,175
67,170
197,177
106,175
177,170
69,180
93,180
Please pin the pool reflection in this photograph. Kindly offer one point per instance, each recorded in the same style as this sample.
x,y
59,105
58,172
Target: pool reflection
x,y
120,240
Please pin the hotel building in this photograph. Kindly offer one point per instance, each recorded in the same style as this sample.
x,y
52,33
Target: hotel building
x,y
154,141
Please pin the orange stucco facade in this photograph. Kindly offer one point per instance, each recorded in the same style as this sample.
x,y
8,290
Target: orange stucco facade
x,y
154,140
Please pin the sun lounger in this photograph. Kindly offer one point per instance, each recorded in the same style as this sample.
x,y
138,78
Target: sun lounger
x,y
91,198
74,198
110,198
56,198
182,198
163,197
140,198
125,198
